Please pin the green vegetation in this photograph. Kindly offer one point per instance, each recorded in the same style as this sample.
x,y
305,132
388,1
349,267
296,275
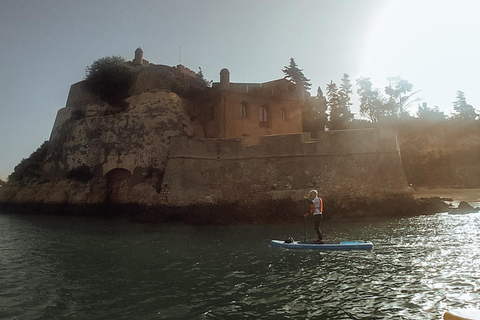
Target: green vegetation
x,y
339,104
430,114
371,100
295,75
387,107
187,87
30,169
463,110
399,96
110,78
377,106
314,116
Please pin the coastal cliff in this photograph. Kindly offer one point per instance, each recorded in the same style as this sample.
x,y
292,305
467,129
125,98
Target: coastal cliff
x,y
83,152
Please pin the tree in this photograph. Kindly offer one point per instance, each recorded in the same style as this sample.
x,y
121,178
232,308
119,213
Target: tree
x,y
333,104
399,94
185,86
344,93
110,78
295,75
463,110
30,169
204,81
430,114
372,103
314,117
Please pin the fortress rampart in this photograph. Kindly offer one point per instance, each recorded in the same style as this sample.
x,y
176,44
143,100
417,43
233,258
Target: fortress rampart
x,y
350,163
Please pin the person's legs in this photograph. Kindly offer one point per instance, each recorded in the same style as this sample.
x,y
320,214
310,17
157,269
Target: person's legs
x,y
317,226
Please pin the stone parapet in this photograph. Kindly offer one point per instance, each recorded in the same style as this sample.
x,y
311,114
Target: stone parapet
x,y
298,144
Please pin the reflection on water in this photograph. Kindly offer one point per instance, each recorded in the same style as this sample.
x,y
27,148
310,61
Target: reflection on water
x,y
70,268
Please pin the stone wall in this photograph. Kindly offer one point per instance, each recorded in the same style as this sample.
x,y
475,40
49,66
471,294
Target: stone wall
x,y
138,137
443,154
63,115
152,77
79,95
352,163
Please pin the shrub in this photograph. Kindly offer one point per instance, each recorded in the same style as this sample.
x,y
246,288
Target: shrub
x,y
188,87
30,169
110,78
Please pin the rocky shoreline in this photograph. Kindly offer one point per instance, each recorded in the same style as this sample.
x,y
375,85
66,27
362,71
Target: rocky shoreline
x,y
262,212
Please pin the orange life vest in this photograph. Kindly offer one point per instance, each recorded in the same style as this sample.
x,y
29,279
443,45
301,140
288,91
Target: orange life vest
x,y
312,206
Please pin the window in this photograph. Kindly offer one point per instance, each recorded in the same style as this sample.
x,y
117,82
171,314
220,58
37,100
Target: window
x,y
263,115
244,111
284,114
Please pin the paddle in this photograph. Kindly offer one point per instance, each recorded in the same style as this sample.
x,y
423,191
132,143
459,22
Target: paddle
x,y
304,222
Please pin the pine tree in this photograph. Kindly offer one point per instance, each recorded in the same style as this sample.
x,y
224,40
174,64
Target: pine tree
x,y
333,103
322,100
295,75
314,116
345,93
463,110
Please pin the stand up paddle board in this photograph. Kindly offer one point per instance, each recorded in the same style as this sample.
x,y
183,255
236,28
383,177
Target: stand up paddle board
x,y
344,245
462,314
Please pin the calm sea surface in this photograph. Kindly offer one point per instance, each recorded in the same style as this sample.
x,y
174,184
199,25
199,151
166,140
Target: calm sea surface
x,y
87,268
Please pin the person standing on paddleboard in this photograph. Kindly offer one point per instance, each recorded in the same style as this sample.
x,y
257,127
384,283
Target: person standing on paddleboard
x,y
316,208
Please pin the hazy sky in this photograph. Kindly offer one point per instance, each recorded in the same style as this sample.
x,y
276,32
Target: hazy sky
x,y
47,44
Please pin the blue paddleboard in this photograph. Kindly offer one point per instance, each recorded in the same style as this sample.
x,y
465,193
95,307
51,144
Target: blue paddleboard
x,y
344,245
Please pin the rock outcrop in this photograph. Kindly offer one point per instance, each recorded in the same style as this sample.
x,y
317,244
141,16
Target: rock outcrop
x,y
137,138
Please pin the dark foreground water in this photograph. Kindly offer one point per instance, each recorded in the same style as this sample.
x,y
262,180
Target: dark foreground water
x,y
84,268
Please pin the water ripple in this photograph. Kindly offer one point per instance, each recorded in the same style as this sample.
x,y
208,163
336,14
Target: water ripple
x,y
70,268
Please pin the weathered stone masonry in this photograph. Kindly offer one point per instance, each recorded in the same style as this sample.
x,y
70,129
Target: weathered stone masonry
x,y
351,163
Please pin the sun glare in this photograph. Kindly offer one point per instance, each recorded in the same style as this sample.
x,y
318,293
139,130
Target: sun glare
x,y
424,42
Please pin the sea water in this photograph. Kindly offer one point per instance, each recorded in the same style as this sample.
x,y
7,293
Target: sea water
x,y
87,268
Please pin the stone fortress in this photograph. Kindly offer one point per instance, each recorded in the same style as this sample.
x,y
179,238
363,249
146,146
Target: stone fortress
x,y
236,143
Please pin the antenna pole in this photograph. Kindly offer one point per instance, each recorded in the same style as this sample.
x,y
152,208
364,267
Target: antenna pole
x,y
180,56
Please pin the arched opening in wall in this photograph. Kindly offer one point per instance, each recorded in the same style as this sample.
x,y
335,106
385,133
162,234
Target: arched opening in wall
x,y
244,109
264,116
118,186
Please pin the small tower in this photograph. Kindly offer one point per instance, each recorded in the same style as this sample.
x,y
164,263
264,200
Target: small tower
x,y
224,79
138,60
